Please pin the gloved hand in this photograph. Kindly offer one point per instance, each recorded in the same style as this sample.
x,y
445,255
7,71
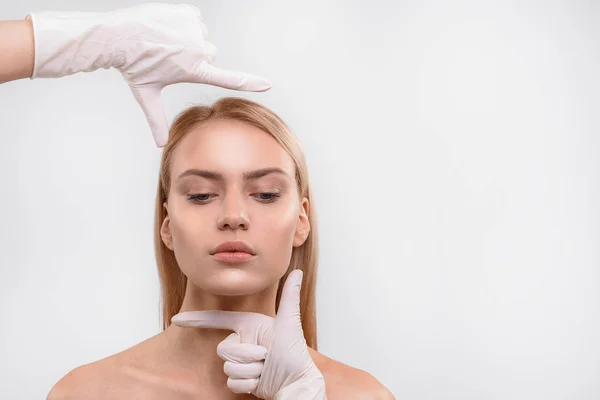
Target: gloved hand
x,y
288,371
153,45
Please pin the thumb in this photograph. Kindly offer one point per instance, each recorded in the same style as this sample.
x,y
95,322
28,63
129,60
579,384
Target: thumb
x,y
208,73
148,97
289,304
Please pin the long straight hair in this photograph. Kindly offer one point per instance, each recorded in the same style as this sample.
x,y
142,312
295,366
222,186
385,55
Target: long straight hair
x,y
305,257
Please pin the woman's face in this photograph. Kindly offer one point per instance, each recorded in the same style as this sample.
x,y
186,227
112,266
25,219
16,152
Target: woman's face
x,y
265,212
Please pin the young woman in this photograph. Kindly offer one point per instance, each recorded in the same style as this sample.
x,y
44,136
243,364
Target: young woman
x,y
235,241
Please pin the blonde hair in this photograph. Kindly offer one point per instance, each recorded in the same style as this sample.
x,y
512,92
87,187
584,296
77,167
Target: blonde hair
x,y
305,257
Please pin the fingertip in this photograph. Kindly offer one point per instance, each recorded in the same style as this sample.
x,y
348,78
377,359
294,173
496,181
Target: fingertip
x,y
149,100
296,276
240,386
177,318
289,304
184,318
234,337
258,84
293,283
235,80
160,140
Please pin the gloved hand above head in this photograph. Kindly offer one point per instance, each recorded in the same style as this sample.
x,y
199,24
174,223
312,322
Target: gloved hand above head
x,y
153,45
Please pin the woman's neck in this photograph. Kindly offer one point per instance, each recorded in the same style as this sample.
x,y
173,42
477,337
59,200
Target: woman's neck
x,y
196,348
263,302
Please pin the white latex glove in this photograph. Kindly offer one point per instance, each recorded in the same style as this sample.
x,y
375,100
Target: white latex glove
x,y
153,45
288,371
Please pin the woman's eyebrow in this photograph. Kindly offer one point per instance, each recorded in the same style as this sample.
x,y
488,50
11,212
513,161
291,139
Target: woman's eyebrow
x,y
216,176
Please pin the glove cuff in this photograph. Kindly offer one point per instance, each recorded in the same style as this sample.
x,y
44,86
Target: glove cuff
x,y
70,42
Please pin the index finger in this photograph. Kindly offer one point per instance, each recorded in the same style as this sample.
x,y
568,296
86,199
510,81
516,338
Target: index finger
x,y
236,80
217,319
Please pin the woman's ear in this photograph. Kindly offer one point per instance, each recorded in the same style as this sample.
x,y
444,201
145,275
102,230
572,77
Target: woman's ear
x,y
165,230
303,225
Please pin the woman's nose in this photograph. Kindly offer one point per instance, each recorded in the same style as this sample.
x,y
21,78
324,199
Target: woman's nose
x,y
233,221
234,213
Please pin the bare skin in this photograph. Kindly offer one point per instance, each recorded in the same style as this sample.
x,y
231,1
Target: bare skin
x,y
145,372
178,364
16,50
182,363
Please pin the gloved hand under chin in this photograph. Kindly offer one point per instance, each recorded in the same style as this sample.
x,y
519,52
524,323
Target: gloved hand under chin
x,y
153,45
288,371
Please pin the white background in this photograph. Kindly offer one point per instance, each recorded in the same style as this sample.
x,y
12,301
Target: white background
x,y
453,148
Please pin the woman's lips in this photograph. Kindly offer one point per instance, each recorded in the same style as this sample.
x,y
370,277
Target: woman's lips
x,y
233,257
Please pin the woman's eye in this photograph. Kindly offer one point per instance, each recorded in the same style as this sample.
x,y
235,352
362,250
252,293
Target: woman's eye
x,y
200,199
197,197
273,197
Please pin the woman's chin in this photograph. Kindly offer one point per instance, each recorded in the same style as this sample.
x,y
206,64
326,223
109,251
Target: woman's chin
x,y
234,283
233,289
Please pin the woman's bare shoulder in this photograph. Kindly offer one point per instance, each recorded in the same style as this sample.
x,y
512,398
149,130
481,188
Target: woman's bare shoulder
x,y
101,379
85,382
106,379
131,373
346,382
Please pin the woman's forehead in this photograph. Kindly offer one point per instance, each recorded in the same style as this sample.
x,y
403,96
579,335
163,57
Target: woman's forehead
x,y
230,149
